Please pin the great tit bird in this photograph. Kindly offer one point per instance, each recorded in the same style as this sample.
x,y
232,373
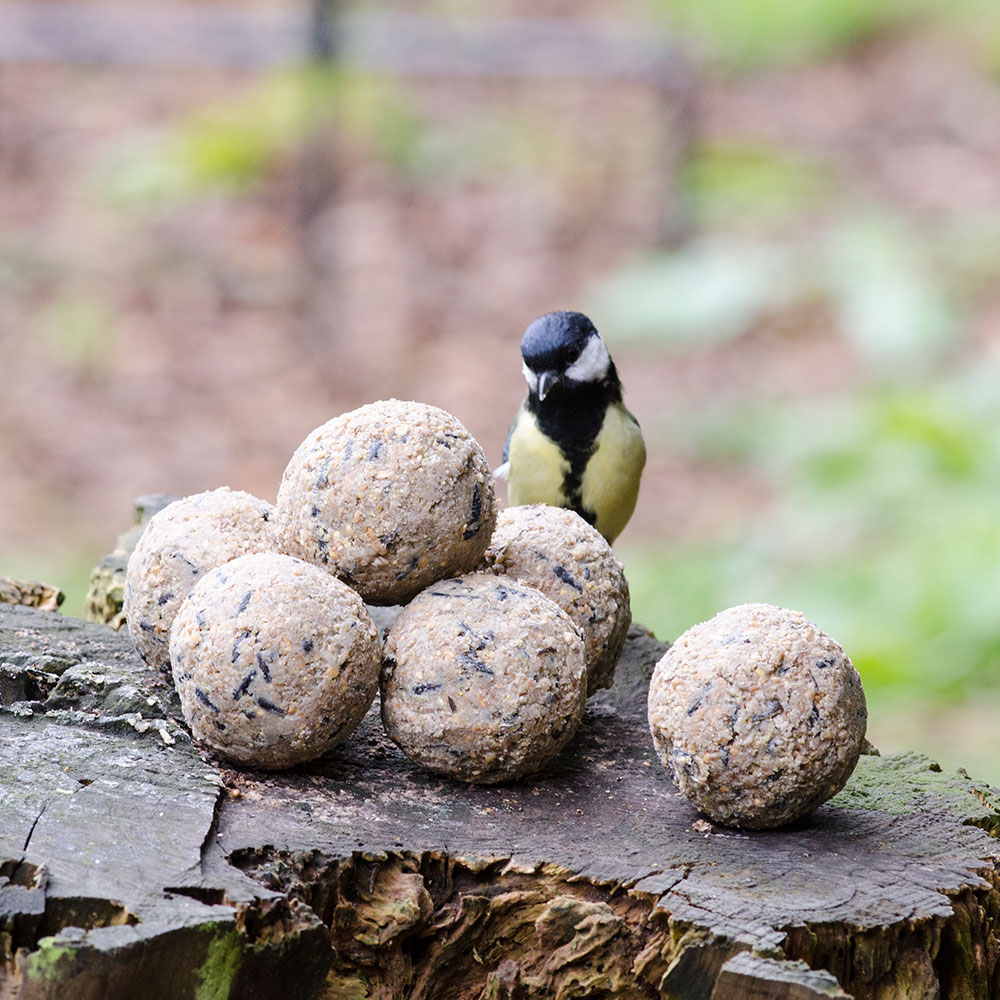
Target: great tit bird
x,y
573,444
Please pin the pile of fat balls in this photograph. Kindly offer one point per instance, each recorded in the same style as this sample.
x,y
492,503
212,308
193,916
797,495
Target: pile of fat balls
x,y
510,620
260,613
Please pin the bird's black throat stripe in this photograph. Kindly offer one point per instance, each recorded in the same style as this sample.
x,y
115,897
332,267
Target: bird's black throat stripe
x,y
572,416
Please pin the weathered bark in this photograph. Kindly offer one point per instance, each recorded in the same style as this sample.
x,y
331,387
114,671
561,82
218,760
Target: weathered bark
x,y
106,591
131,864
754,977
30,593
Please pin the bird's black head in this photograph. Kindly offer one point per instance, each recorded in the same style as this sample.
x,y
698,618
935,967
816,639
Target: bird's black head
x,y
564,351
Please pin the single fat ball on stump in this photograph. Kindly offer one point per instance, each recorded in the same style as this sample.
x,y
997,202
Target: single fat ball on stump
x,y
484,679
275,660
182,542
554,550
758,715
389,497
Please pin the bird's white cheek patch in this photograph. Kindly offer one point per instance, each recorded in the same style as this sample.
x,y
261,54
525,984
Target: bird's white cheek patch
x,y
530,377
592,365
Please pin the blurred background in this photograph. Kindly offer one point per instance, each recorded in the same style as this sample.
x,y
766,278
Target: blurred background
x,y
223,223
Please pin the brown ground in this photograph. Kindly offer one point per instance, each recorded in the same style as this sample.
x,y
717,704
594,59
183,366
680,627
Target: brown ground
x,y
196,362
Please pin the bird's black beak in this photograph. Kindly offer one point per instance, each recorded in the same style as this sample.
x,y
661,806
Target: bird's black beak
x,y
546,381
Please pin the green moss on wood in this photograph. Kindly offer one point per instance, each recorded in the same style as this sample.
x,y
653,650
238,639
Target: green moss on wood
x,y
904,783
52,961
222,961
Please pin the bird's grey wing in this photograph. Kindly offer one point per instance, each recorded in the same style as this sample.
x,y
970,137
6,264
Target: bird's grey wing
x,y
510,433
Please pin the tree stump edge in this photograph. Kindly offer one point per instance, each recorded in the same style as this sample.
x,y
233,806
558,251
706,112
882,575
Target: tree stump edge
x,y
271,867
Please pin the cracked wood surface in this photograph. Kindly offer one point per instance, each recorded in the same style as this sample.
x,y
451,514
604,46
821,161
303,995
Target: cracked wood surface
x,y
129,860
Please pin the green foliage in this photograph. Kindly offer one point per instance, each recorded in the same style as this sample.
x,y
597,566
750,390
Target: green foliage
x,y
742,180
892,292
498,143
882,524
990,53
884,530
748,34
234,143
899,294
375,110
707,292
77,328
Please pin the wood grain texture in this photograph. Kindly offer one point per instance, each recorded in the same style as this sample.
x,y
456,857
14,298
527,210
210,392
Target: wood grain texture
x,y
128,857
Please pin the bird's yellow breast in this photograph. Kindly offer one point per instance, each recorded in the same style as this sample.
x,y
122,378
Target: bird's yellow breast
x,y
537,465
610,485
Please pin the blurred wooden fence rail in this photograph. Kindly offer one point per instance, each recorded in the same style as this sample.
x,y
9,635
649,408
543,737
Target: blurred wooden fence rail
x,y
409,44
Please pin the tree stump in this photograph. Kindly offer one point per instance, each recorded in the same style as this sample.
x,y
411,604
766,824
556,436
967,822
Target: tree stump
x,y
133,865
